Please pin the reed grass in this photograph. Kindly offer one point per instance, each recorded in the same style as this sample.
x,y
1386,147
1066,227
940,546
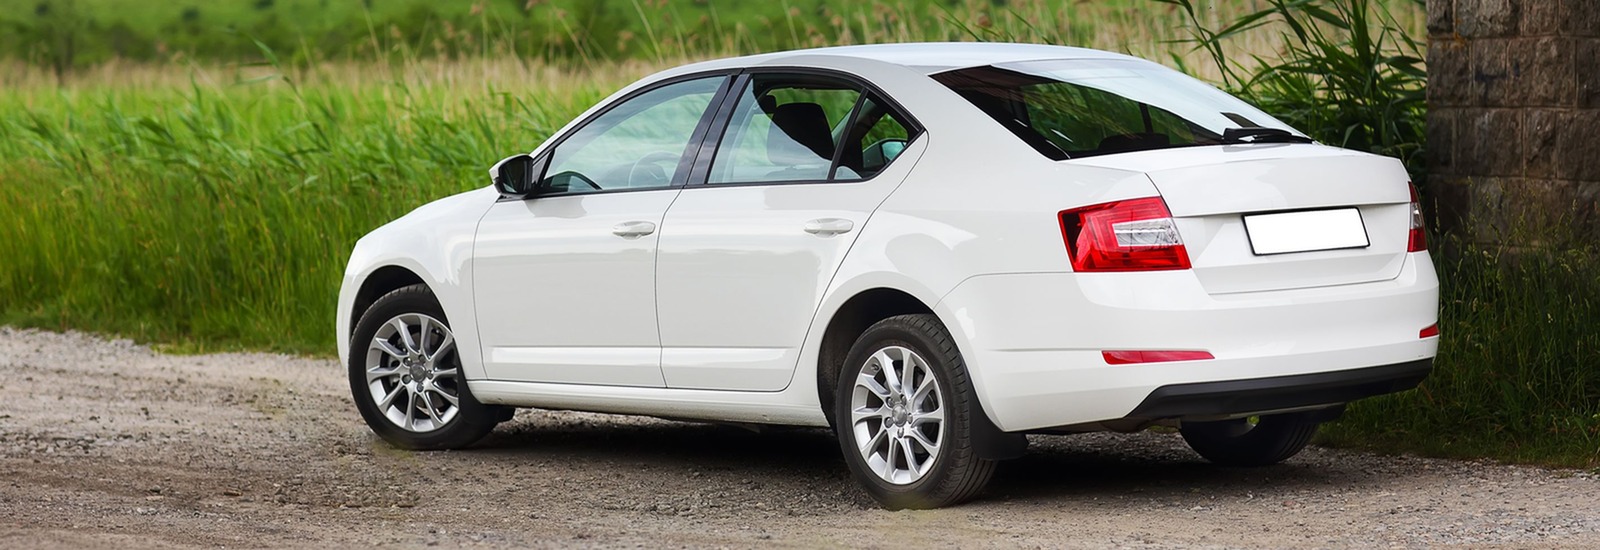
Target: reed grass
x,y
1515,377
221,212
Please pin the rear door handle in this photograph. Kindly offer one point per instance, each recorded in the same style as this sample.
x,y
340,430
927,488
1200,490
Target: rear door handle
x,y
829,226
633,230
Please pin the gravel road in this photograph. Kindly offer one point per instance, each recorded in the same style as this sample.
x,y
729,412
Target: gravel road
x,y
109,444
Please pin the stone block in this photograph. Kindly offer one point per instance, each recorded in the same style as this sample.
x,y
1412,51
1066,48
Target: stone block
x,y
1586,66
1542,131
1543,72
1441,17
1446,202
1490,143
1442,143
1449,74
1581,18
1580,147
1487,18
1536,212
1540,17
1494,67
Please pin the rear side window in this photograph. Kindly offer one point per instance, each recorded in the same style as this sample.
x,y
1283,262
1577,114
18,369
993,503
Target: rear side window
x,y
793,128
1079,108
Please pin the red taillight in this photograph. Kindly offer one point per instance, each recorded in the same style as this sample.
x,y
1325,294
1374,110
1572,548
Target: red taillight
x,y
1129,357
1430,332
1418,240
1130,235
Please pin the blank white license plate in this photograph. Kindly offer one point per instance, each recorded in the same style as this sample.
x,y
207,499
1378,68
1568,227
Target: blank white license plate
x,y
1308,231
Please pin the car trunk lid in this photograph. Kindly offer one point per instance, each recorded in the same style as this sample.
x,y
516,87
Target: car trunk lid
x,y
1309,207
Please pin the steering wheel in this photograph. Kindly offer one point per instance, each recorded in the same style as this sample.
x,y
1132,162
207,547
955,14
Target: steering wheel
x,y
649,167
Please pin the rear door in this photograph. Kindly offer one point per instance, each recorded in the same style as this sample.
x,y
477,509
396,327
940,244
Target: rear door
x,y
750,245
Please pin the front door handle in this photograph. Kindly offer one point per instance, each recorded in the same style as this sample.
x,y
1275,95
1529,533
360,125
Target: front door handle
x,y
633,230
829,226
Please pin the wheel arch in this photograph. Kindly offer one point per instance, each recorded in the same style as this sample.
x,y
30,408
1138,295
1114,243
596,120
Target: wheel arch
x,y
381,281
847,323
852,318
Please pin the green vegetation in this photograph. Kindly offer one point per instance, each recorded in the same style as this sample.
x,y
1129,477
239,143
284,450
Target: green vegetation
x,y
1515,377
222,214
71,35
1348,74
163,176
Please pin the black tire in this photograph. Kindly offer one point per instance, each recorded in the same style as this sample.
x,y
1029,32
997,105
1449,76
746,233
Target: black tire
x,y
957,474
471,421
1272,439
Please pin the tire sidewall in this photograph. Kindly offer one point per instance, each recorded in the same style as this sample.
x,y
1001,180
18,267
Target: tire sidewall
x,y
460,431
956,420
1272,439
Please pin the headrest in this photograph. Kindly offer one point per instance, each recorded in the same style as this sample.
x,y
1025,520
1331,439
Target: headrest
x,y
799,135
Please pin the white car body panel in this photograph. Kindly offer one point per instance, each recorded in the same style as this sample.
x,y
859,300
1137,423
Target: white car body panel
x,y
739,276
1039,342
434,242
538,267
971,233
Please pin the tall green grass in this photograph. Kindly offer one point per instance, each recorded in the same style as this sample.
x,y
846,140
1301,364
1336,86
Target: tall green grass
x,y
222,214
71,37
1515,378
1349,74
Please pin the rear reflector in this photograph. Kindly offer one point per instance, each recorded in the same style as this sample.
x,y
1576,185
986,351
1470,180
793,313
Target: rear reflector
x,y
1130,357
1430,332
1418,239
1130,235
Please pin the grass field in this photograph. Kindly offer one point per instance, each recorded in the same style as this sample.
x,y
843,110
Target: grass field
x,y
209,201
68,35
220,213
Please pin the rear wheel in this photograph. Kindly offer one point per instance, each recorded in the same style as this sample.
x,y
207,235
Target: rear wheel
x,y
1255,441
904,411
405,375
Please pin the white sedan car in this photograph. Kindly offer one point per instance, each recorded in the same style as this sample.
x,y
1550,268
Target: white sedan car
x,y
933,249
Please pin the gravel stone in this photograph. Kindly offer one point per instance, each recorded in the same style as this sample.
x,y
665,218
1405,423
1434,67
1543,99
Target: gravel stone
x,y
107,444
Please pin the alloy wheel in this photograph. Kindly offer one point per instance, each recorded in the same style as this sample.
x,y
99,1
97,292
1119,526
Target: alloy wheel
x,y
413,373
897,415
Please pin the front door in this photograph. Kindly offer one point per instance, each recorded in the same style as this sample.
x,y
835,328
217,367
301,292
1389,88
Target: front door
x,y
564,281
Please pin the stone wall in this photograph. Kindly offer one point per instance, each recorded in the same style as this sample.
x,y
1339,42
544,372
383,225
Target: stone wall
x,y
1514,115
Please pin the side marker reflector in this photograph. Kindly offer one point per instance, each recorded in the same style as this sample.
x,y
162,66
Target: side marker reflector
x,y
1132,356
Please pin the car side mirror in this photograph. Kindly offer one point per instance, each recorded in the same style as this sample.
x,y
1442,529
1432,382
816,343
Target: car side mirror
x,y
516,176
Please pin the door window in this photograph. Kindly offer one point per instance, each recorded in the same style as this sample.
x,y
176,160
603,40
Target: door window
x,y
639,144
806,128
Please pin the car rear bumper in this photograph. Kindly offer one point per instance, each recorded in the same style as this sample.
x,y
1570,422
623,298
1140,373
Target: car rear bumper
x,y
1231,397
1033,344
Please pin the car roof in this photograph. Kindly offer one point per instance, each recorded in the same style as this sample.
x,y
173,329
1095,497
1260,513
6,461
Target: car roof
x,y
925,57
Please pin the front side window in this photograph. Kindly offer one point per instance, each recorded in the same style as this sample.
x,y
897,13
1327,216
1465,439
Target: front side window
x,y
1079,108
639,144
788,127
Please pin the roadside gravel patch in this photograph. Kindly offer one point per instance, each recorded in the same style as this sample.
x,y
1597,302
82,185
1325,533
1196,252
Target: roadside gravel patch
x,y
107,444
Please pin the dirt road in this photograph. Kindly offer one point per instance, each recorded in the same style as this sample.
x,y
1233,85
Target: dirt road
x,y
108,444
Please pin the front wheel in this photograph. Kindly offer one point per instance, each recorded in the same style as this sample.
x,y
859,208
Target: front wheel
x,y
904,407
1256,441
405,375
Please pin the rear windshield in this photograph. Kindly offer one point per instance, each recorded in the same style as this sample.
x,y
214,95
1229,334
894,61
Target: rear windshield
x,y
1080,108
